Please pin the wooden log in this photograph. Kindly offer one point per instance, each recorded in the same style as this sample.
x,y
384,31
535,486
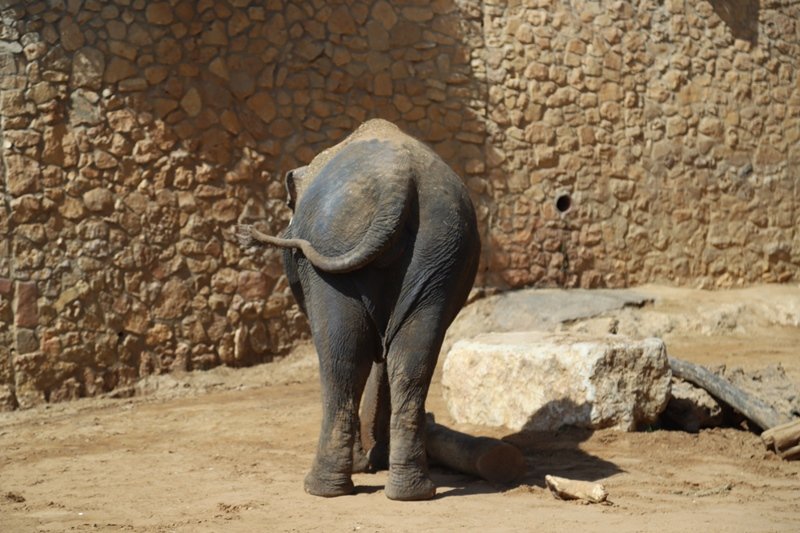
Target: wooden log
x,y
573,489
491,459
784,440
748,405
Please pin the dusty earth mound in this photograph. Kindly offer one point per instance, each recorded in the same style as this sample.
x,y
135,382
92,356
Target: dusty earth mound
x,y
227,450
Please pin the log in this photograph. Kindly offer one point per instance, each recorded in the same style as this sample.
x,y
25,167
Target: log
x,y
491,459
572,489
720,388
784,440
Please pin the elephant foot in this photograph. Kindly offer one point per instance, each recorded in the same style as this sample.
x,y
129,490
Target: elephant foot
x,y
328,486
409,486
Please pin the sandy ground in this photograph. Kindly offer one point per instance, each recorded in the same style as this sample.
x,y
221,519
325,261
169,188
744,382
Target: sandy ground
x,y
227,450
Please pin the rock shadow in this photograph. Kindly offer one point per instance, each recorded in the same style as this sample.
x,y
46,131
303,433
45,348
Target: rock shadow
x,y
547,452
558,452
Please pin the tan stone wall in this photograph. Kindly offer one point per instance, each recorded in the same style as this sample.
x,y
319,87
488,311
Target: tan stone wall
x,y
673,126
136,134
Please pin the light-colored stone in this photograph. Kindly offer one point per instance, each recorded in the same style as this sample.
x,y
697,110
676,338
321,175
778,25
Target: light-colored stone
x,y
173,300
542,381
22,174
191,102
88,65
42,92
99,200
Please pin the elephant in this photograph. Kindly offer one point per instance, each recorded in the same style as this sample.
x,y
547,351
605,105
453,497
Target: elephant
x,y
381,253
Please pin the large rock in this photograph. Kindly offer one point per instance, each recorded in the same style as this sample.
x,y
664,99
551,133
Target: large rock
x,y
542,381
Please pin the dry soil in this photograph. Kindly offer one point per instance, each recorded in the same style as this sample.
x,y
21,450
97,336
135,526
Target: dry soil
x,y
227,450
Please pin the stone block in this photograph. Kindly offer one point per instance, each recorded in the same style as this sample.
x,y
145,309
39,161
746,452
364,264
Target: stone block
x,y
99,200
25,341
26,312
253,285
542,381
6,286
22,174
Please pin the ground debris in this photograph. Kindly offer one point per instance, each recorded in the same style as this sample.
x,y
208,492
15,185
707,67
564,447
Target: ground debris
x,y
15,497
572,489
703,493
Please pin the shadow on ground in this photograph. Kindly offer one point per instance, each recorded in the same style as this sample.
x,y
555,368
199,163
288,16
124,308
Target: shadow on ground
x,y
546,453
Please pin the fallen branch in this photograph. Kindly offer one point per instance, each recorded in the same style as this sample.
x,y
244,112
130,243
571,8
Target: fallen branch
x,y
784,440
572,489
491,459
748,405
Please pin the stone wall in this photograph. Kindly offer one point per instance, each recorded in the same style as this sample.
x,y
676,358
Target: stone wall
x,y
604,144
669,130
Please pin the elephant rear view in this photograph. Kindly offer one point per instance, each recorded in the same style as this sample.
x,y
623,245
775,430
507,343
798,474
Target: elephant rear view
x,y
380,254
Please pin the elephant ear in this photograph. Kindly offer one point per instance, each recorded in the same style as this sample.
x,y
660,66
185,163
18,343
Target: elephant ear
x,y
354,207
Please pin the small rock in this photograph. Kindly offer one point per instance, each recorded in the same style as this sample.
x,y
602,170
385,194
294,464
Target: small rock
x,y
88,65
99,200
25,341
215,35
191,102
71,35
26,314
253,285
104,160
341,22
22,174
13,104
42,92
219,68
118,69
173,300
159,13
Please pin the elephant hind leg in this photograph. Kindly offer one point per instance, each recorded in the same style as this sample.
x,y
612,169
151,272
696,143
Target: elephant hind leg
x,y
410,364
345,345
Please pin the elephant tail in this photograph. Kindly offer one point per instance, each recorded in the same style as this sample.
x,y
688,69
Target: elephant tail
x,y
353,210
250,237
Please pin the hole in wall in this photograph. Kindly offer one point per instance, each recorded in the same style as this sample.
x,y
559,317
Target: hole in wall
x,y
563,202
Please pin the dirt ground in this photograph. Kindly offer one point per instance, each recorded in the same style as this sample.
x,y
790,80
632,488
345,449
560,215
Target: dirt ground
x,y
227,450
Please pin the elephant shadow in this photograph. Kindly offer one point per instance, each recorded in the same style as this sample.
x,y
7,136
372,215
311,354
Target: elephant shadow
x,y
741,17
547,452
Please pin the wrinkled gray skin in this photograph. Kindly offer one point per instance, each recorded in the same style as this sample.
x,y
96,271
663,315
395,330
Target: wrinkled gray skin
x,y
380,254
